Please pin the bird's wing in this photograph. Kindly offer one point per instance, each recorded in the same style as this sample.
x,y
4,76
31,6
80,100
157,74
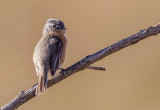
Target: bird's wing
x,y
57,48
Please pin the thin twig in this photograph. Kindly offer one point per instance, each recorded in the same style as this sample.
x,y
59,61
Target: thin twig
x,y
96,68
25,96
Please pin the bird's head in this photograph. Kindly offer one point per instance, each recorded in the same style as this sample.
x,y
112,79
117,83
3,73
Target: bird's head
x,y
54,26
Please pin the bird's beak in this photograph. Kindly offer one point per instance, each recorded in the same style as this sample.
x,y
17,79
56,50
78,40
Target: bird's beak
x,y
64,28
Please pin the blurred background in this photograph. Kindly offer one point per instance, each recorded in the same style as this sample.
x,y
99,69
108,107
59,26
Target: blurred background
x,y
132,78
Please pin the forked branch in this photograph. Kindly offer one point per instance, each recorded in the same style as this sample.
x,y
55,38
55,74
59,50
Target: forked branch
x,y
25,96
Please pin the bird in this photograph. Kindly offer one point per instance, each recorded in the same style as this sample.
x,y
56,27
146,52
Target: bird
x,y
49,53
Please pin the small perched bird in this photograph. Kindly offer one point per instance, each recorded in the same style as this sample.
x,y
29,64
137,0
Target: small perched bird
x,y
49,53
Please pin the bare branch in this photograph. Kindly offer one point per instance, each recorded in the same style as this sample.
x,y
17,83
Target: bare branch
x,y
25,96
96,68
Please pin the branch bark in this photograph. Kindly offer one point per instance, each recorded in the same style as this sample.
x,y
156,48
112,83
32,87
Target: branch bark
x,y
96,68
25,96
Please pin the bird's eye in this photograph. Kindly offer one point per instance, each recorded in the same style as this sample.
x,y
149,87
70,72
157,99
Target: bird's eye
x,y
54,26
57,27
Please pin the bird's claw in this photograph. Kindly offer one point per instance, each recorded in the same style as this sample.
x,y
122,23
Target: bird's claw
x,y
62,71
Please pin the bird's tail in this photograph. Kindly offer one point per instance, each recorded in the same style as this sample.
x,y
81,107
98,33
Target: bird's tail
x,y
42,84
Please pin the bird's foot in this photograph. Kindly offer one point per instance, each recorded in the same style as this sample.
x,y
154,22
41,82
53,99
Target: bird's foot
x,y
62,71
